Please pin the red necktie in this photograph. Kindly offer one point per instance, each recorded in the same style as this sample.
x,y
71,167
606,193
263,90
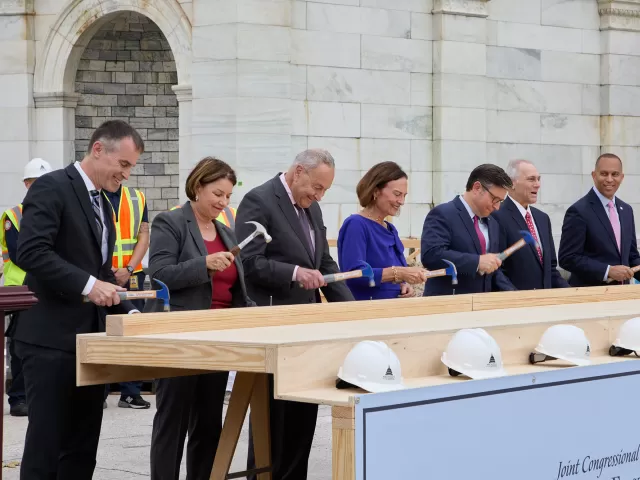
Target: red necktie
x,y
483,241
527,218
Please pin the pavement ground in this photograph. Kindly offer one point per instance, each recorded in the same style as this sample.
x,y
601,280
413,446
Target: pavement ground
x,y
123,453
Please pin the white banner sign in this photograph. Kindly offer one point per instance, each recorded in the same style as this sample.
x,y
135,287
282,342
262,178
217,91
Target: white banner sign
x,y
563,424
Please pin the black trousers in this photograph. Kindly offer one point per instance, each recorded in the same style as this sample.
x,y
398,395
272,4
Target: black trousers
x,y
64,420
16,391
187,404
292,426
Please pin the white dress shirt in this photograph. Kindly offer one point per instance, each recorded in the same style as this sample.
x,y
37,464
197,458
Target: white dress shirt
x,y
605,202
105,233
311,232
523,211
484,228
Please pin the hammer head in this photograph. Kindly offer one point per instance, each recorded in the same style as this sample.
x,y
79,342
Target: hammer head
x,y
367,271
260,230
452,271
163,294
528,238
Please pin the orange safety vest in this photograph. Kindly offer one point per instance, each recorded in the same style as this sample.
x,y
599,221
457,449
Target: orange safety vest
x,y
127,225
227,216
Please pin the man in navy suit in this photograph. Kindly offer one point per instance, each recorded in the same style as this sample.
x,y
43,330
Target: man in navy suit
x,y
529,268
463,232
598,242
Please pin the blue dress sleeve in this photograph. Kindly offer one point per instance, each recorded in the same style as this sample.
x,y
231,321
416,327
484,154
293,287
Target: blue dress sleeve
x,y
353,240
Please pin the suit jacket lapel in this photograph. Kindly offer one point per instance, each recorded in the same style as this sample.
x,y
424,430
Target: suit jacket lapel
x,y
83,198
318,237
625,229
109,225
194,230
468,223
290,213
598,208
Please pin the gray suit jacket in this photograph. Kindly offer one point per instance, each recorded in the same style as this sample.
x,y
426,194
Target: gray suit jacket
x,y
177,257
269,267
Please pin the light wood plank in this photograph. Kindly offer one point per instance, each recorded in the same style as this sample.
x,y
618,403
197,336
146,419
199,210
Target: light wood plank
x,y
92,374
343,452
243,387
261,425
233,318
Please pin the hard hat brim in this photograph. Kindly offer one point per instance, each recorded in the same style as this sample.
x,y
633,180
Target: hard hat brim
x,y
580,362
372,387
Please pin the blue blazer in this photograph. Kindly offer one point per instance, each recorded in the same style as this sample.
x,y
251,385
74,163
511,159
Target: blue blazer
x,y
588,245
448,233
524,268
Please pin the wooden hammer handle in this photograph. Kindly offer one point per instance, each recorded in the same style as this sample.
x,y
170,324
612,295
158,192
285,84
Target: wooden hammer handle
x,y
235,251
635,269
337,277
513,248
435,273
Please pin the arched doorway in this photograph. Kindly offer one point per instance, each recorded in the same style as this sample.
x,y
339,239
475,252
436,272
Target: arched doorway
x,y
72,77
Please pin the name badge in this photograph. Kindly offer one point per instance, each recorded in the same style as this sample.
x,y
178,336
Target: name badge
x,y
133,282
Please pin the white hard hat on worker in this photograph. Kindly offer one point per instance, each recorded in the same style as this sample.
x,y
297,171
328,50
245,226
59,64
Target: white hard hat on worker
x,y
36,168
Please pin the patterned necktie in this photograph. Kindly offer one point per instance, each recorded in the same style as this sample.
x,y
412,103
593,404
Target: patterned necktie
x,y
529,220
95,203
304,223
483,241
615,222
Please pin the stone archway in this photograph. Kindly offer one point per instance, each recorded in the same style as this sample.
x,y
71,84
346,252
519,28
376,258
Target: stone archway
x,y
78,22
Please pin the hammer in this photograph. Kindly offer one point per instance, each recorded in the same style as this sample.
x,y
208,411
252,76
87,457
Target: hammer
x,y
450,270
367,271
527,238
162,294
260,230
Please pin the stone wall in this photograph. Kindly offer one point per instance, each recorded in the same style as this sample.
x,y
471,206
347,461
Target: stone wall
x,y
126,72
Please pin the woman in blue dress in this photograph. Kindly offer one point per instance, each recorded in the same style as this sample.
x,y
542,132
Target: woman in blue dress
x,y
367,237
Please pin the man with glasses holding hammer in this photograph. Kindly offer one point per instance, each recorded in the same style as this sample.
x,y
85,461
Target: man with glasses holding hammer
x,y
463,232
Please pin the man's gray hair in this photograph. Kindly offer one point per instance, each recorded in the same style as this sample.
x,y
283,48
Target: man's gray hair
x,y
513,168
313,158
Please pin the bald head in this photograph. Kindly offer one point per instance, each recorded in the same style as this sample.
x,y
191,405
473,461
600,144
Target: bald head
x,y
608,175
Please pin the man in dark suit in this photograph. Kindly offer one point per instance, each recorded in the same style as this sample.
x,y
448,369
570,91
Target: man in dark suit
x,y
65,246
288,271
529,268
598,242
463,232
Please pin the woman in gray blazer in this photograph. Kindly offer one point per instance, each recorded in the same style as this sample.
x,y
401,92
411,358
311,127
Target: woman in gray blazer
x,y
190,253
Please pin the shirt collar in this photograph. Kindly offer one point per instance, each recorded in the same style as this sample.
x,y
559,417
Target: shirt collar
x,y
605,201
523,211
466,205
87,181
286,187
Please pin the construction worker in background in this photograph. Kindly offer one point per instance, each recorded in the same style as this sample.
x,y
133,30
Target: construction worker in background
x,y
131,219
14,276
227,216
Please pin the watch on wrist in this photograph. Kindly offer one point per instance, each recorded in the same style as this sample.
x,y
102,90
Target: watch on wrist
x,y
130,269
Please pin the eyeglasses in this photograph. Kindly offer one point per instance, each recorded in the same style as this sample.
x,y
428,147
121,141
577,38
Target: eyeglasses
x,y
495,200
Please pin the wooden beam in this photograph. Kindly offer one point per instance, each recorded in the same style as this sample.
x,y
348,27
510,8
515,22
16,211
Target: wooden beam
x,y
232,318
343,440
92,374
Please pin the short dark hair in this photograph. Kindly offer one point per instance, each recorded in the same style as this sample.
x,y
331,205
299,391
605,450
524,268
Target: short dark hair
x,y
112,131
208,170
377,177
489,175
608,155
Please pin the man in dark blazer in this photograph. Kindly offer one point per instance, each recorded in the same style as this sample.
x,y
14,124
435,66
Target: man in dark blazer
x,y
288,271
529,268
463,232
598,242
65,246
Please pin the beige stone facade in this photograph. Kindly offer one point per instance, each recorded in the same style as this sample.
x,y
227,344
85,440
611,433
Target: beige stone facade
x,y
438,86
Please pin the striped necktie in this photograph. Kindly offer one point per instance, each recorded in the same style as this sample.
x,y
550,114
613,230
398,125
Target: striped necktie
x,y
95,203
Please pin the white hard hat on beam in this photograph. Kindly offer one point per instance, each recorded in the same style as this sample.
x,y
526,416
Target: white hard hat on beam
x,y
36,168
565,342
474,353
372,366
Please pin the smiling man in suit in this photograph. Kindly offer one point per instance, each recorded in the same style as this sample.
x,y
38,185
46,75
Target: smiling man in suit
x,y
65,245
598,242
463,232
529,268
288,271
